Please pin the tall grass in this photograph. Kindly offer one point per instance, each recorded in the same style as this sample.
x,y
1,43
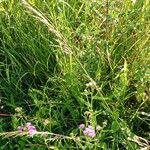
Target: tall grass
x,y
64,63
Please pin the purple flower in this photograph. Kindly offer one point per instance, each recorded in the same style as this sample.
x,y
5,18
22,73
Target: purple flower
x,y
89,131
31,129
28,127
81,126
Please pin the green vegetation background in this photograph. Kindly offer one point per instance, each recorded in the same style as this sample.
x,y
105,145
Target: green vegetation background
x,y
50,53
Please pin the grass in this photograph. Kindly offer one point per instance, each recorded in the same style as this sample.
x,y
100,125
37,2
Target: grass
x,y
64,63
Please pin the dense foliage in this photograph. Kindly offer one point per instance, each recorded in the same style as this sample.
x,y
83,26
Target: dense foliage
x,y
65,63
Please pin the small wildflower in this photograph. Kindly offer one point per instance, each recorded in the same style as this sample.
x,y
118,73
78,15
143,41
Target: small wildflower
x,y
89,132
31,129
81,126
28,127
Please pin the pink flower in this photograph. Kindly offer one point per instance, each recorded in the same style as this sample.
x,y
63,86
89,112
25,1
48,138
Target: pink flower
x,y
81,126
89,131
28,127
31,129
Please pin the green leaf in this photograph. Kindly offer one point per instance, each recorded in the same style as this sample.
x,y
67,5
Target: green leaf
x,y
115,126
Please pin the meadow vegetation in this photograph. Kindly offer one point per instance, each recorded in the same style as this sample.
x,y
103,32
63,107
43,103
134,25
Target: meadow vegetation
x,y
69,65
